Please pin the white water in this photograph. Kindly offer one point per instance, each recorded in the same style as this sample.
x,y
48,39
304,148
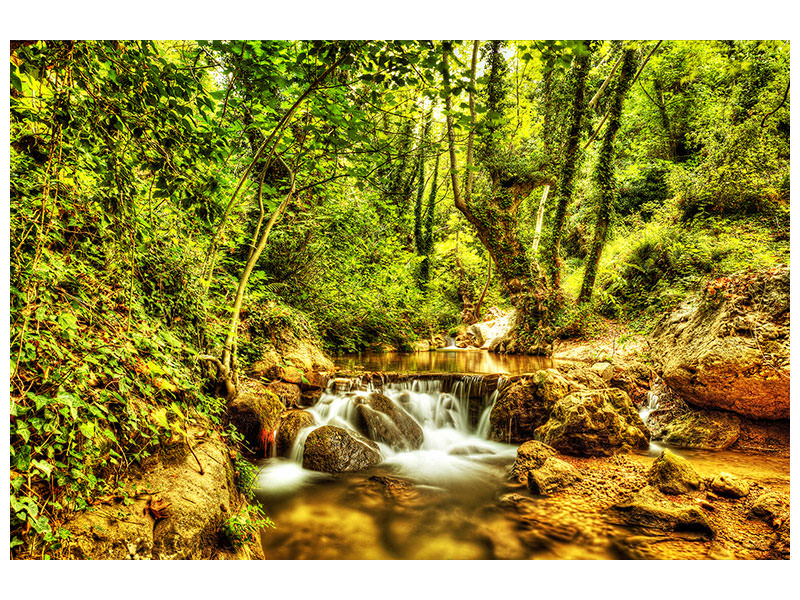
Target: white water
x,y
650,406
452,451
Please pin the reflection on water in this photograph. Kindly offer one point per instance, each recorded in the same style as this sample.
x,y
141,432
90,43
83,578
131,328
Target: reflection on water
x,y
443,361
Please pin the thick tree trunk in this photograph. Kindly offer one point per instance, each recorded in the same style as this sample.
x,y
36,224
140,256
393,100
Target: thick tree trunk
x,y
495,220
604,176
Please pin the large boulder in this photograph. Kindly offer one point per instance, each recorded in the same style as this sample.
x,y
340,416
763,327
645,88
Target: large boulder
x,y
553,475
704,429
769,506
332,449
255,411
530,456
384,421
289,393
594,423
178,512
729,349
673,474
291,423
525,404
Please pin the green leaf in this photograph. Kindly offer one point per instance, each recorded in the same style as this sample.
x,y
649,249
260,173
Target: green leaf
x,y
87,429
43,466
68,324
160,417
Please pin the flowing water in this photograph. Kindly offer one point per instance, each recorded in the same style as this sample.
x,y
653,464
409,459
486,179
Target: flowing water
x,y
438,501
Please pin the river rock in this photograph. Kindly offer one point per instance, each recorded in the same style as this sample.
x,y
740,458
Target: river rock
x,y
704,429
291,423
421,346
673,474
525,404
255,411
332,449
768,506
553,475
289,393
729,485
530,456
314,380
384,421
729,349
634,378
594,423
650,509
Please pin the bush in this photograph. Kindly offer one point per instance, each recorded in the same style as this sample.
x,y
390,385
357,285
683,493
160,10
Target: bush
x,y
643,190
243,527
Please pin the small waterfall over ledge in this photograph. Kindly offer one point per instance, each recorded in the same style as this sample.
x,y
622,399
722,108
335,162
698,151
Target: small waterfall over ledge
x,y
452,410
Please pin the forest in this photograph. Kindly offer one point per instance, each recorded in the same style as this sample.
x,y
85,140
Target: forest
x,y
195,224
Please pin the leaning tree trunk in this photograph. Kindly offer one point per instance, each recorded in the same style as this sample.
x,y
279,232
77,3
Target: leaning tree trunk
x,y
495,220
604,177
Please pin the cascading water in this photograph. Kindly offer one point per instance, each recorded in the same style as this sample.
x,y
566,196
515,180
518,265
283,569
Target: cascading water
x,y
652,400
455,447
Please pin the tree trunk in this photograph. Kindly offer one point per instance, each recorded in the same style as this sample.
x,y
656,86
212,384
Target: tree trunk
x,y
495,220
605,178
569,167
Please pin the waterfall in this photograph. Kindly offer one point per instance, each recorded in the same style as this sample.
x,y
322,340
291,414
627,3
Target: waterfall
x,y
650,405
459,416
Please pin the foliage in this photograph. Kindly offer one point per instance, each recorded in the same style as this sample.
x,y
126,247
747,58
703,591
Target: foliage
x,y
244,526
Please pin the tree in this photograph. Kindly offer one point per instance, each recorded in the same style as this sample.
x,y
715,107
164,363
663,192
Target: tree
x,y
604,173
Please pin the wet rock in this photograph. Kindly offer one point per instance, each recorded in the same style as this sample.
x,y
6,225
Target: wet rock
x,y
314,380
768,506
310,397
289,393
705,429
384,421
604,370
594,423
421,346
291,423
729,485
553,475
634,378
333,450
730,350
673,474
253,411
763,436
649,508
525,404
530,456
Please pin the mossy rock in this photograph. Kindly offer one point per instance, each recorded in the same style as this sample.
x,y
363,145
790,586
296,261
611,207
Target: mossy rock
x,y
530,456
594,423
291,423
673,474
255,411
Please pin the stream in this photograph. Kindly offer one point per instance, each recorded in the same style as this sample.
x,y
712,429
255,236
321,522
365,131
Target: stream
x,y
435,502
